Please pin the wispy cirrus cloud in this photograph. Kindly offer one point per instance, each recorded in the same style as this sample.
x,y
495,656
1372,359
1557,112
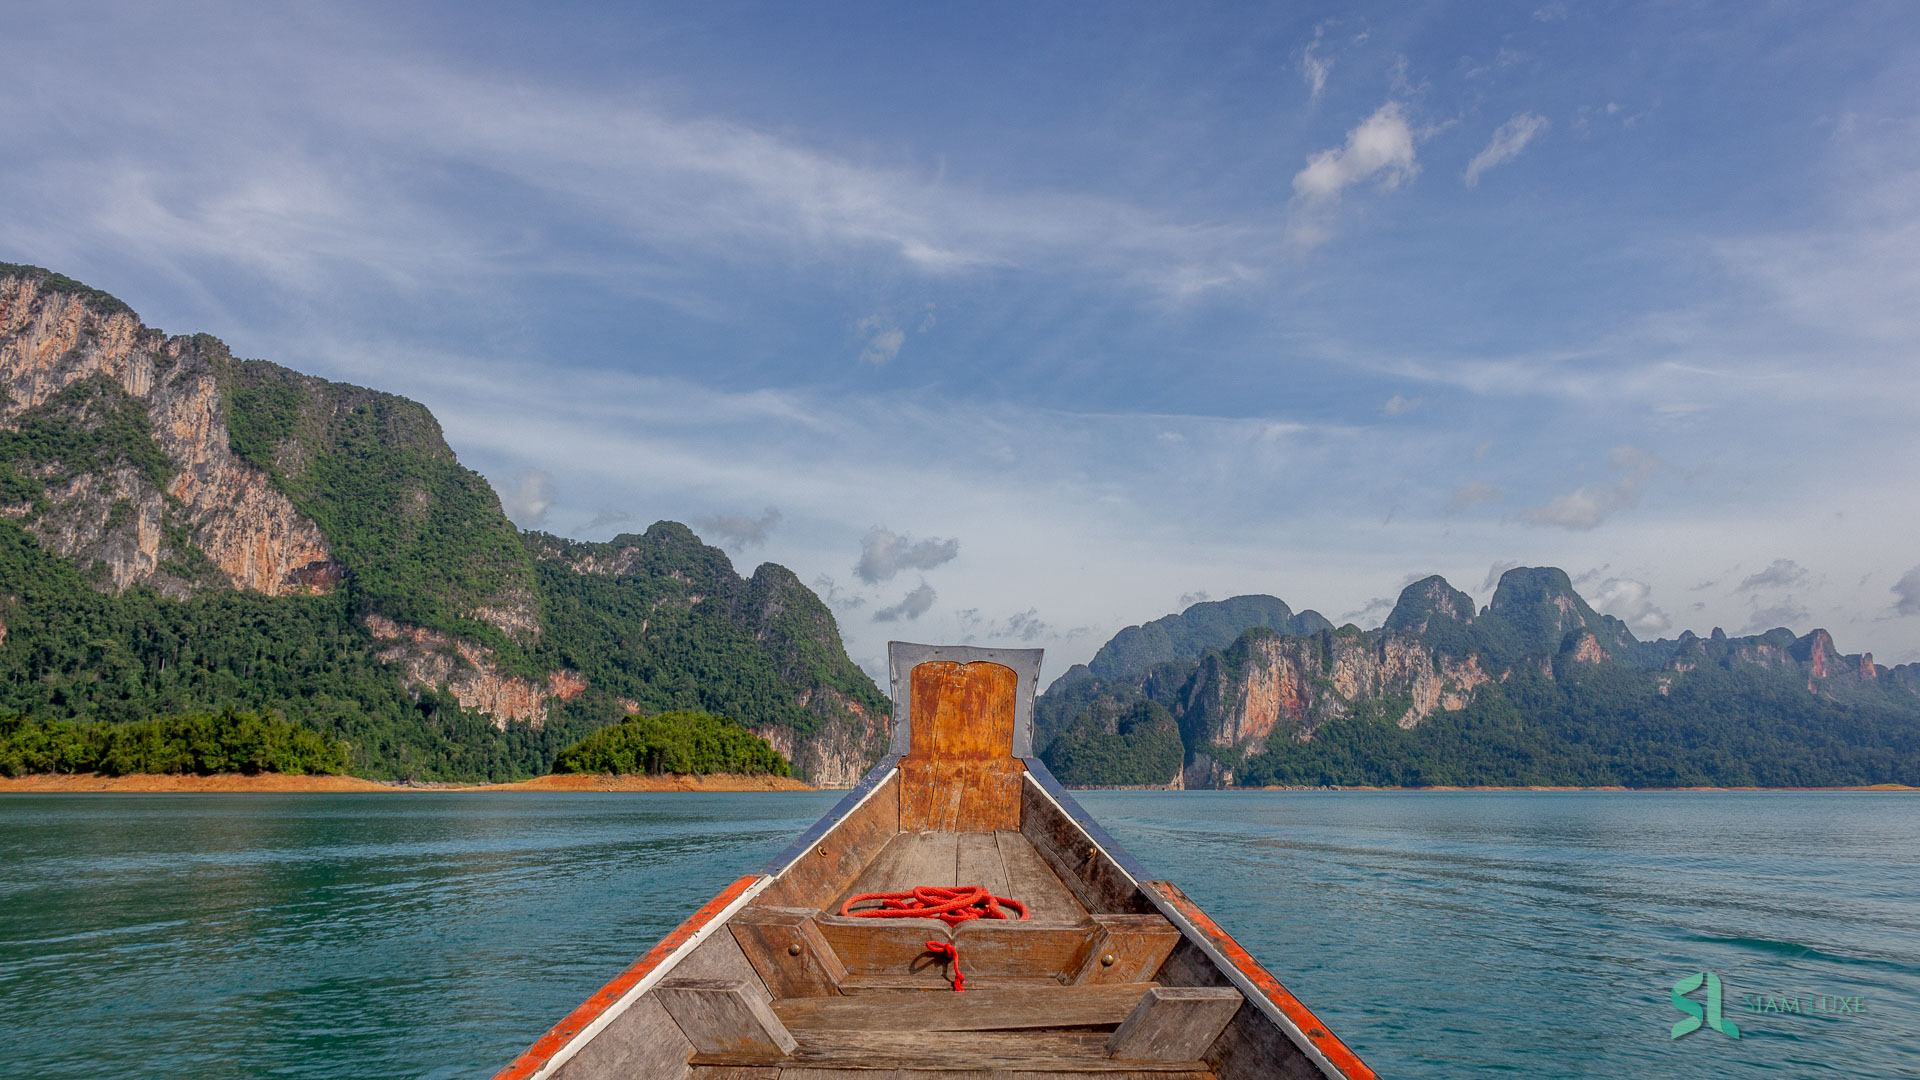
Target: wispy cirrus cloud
x,y
1509,139
1587,506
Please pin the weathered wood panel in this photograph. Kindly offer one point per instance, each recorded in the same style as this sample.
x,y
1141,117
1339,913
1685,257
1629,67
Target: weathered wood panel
x,y
1129,949
891,984
1032,882
1099,883
959,774
1252,1048
975,1010
823,875
989,947
643,1041
891,947
909,859
720,957
994,947
785,948
1175,1023
730,1072
725,1017
1033,1051
981,864
1189,965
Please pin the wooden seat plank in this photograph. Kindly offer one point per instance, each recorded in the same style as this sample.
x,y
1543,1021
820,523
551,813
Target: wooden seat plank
x,y
1032,882
979,1009
887,984
909,859
1029,1051
980,863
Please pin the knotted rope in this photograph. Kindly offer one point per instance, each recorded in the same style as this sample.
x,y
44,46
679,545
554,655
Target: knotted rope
x,y
953,905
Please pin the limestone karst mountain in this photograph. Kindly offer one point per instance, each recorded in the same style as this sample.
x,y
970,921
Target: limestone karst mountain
x,y
1535,688
180,529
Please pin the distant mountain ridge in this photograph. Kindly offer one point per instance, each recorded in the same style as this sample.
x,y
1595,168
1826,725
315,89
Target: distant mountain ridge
x,y
1535,688
1191,633
181,529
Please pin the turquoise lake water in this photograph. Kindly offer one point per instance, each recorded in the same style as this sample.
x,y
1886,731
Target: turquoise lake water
x,y
1456,934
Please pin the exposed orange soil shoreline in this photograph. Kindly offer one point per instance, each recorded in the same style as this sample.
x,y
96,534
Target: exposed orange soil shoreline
x,y
1450,787
144,784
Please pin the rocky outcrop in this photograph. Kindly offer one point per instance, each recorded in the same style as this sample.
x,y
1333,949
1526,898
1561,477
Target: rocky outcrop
x,y
837,754
1431,656
71,359
1426,602
1270,686
429,659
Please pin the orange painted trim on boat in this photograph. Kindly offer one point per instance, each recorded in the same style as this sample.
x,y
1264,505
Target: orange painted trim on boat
x,y
577,1021
1319,1034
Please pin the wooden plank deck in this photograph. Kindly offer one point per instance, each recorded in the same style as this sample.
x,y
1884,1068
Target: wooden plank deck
x,y
1003,861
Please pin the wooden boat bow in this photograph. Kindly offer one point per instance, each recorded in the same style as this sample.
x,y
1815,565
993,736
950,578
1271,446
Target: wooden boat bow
x,y
1114,975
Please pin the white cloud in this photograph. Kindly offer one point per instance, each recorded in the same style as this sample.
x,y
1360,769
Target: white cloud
x,y
1509,139
527,502
1468,496
1781,574
1021,626
1315,68
885,553
1631,602
1399,405
1906,593
1785,613
882,340
1380,147
739,530
1586,507
911,606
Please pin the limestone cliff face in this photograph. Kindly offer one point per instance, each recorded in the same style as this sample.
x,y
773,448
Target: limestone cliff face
x,y
1271,686
65,356
429,660
839,754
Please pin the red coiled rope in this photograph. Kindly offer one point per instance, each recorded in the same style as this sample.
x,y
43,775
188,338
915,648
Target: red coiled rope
x,y
952,905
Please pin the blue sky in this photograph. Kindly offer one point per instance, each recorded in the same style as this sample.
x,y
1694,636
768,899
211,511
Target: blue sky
x,y
1022,323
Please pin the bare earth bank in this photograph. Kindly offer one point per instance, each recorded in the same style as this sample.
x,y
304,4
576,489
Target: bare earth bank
x,y
274,782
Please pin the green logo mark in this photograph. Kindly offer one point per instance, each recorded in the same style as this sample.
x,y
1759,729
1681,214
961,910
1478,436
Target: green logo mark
x,y
1695,1014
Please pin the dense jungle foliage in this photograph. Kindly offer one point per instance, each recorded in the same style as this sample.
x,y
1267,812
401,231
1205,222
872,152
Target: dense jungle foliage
x,y
675,742
1112,744
72,652
1715,727
205,743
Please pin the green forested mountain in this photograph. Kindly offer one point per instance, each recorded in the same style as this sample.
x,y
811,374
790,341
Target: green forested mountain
x,y
182,531
1535,689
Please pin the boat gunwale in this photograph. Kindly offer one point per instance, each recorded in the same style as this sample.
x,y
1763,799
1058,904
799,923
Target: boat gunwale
x,y
1260,987
1266,993
560,1043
